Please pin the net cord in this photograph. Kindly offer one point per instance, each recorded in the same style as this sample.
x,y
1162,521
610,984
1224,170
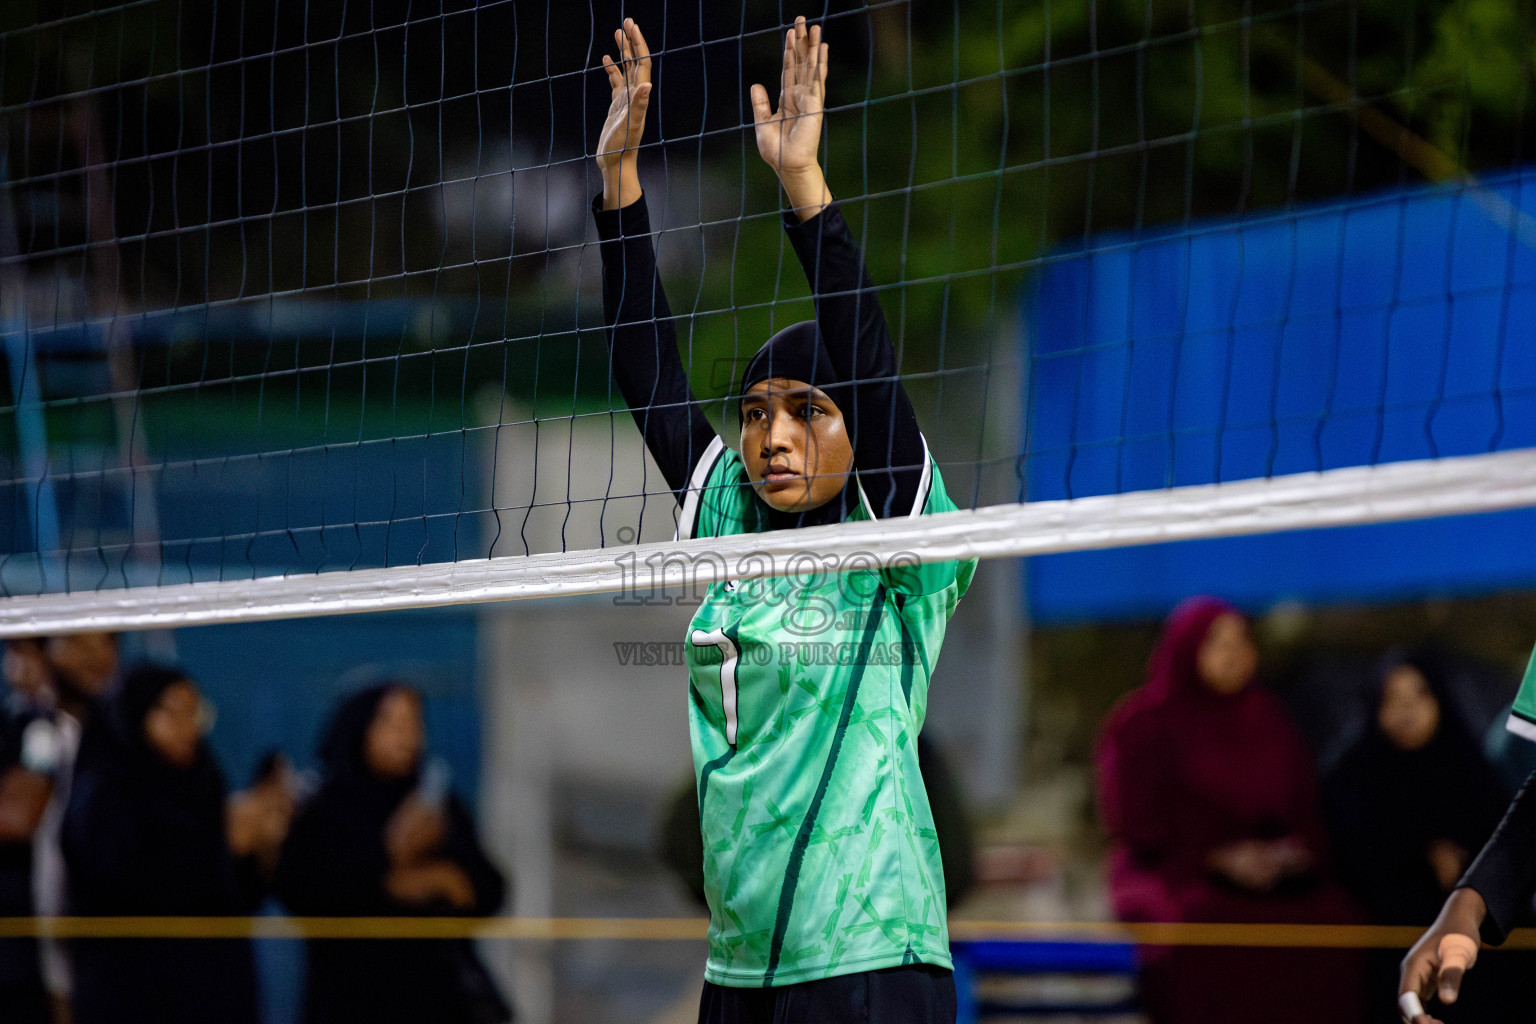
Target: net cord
x,y
1352,496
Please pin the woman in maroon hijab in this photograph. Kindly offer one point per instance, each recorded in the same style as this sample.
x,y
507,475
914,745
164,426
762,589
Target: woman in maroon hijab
x,y
1208,794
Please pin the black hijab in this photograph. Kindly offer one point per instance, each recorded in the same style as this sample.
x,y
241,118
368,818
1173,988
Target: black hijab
x,y
798,353
123,788
335,863
123,744
343,748
143,836
1439,772
1387,805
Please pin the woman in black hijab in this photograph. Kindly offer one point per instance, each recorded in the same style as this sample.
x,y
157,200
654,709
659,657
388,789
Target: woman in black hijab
x,y
144,834
379,840
1409,802
1412,797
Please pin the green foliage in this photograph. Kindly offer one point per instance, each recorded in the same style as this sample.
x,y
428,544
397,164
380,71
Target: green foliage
x,y
986,136
979,138
1478,65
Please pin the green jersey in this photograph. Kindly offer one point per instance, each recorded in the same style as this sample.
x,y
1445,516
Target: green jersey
x,y
1522,717
807,694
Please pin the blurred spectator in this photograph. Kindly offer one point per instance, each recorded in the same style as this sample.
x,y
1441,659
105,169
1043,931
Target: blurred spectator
x,y
384,837
72,672
1410,800
26,782
145,834
1208,795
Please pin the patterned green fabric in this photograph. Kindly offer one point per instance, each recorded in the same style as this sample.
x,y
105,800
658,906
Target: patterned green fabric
x,y
1522,718
807,694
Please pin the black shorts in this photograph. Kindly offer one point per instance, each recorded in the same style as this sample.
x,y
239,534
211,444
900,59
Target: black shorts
x,y
915,994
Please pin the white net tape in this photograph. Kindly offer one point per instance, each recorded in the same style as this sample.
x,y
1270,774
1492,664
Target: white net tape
x,y
1304,501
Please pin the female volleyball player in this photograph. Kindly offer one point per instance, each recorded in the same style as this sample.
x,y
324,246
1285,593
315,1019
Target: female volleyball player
x,y
822,870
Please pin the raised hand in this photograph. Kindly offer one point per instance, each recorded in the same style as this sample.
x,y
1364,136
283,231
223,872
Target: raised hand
x,y
617,146
788,139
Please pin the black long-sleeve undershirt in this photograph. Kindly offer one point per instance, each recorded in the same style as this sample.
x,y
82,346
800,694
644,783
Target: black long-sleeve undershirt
x,y
888,449
890,455
642,344
1504,873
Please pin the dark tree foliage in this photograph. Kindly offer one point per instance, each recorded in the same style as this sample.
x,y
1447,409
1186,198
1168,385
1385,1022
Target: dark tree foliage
x,y
174,154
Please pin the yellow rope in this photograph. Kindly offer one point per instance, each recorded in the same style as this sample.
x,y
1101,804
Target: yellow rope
x,y
653,929
669,929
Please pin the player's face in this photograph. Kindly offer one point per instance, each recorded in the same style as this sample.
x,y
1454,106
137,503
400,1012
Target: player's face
x,y
174,726
395,736
1409,715
795,444
1227,658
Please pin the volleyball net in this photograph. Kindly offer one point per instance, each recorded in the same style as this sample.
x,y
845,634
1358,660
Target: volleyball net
x,y
301,306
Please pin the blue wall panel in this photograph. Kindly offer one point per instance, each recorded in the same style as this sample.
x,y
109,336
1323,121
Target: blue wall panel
x,y
1396,326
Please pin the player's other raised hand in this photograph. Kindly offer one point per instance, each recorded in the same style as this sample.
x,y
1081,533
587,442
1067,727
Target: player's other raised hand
x,y
788,138
629,78
1437,963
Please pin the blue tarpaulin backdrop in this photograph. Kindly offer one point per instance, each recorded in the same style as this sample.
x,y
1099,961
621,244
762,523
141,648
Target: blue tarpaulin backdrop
x,y
1395,326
